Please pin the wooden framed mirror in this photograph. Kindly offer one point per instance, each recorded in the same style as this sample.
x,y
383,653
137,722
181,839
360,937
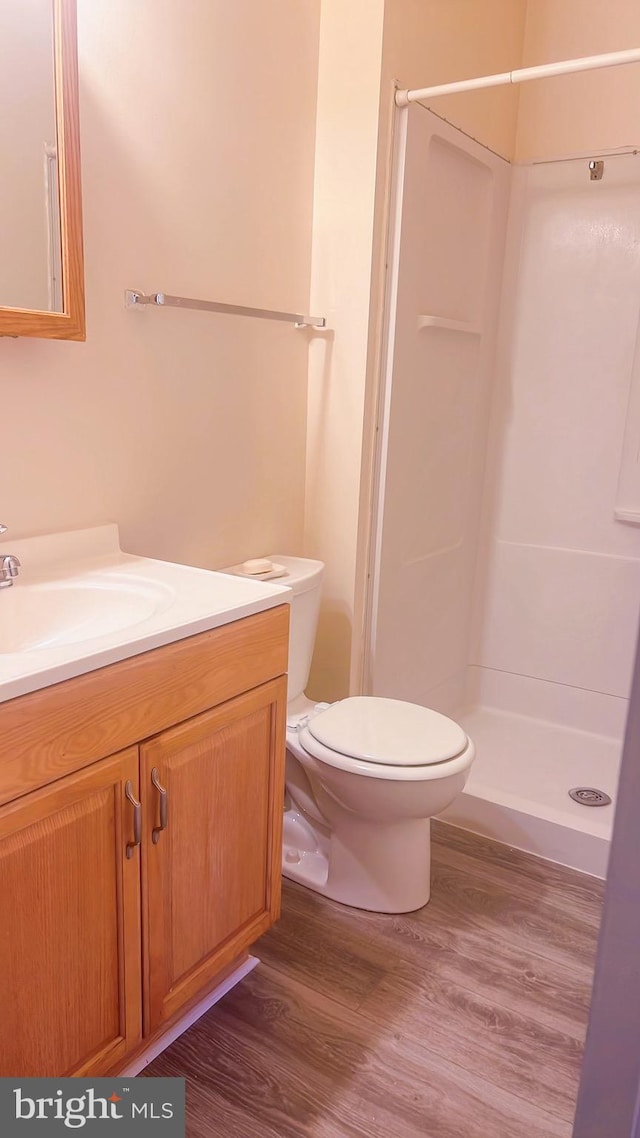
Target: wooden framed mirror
x,y
41,251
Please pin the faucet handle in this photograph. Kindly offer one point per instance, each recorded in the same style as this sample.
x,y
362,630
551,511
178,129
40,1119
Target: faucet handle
x,y
10,566
9,569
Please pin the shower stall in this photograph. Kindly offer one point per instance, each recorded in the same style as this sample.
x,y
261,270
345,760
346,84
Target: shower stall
x,y
505,562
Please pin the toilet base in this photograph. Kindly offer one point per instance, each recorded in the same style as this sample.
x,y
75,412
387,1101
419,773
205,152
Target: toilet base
x,y
380,868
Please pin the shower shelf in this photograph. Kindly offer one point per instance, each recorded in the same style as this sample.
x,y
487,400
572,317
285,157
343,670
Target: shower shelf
x,y
449,325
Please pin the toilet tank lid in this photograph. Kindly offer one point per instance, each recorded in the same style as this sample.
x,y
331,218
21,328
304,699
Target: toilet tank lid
x,y
388,731
299,573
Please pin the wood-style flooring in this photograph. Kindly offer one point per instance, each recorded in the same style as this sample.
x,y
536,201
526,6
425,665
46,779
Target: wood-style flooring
x,y
464,1020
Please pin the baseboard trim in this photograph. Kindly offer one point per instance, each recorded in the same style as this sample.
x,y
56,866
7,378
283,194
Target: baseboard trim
x,y
160,1044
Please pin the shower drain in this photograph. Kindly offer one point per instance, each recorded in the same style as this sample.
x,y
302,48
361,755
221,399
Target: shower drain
x,y
589,796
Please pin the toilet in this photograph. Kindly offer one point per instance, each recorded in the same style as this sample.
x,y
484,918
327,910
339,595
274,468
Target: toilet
x,y
364,776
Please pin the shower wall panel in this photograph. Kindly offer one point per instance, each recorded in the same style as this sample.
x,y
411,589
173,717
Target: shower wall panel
x,y
452,213
558,591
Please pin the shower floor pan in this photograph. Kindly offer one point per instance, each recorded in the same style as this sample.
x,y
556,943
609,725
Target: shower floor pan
x,y
518,788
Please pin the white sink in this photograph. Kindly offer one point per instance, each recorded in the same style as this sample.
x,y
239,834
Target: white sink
x,y
38,616
80,603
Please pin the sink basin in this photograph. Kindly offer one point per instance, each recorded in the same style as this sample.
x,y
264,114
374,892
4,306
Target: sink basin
x,y
80,603
38,616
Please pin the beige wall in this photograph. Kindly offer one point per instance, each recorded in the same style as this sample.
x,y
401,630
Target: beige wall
x,y
347,130
439,41
590,111
198,165
27,123
188,429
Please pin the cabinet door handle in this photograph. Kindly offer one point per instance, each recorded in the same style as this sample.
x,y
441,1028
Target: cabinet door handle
x,y
157,830
137,818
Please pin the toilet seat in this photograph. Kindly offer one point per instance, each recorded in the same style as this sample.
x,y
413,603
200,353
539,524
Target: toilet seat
x,y
387,739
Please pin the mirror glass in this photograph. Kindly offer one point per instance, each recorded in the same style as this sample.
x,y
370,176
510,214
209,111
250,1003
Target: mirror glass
x,y
30,242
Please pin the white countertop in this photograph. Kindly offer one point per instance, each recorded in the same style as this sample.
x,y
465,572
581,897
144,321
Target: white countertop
x,y
80,603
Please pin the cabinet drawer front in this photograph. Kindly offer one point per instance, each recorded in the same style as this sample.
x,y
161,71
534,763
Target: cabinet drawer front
x,y
213,791
52,732
70,969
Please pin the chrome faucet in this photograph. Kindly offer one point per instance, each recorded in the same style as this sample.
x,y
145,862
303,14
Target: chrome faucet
x,y
9,566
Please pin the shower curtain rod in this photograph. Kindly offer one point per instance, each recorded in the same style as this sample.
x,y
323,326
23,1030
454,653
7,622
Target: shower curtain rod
x,y
522,75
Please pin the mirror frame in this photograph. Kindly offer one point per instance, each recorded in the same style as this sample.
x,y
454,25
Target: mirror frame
x,y
70,323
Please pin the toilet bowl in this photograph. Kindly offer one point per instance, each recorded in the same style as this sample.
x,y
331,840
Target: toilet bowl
x,y
364,777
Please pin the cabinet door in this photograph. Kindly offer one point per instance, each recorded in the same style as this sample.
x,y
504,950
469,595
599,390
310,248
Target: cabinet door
x,y
70,930
211,877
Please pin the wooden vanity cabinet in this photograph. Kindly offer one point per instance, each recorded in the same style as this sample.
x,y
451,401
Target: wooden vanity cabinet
x,y
129,883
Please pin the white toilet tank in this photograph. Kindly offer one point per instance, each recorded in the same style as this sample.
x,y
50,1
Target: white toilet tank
x,y
304,577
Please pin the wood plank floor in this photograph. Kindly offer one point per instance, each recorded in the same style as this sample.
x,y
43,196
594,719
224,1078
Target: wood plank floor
x,y
464,1020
